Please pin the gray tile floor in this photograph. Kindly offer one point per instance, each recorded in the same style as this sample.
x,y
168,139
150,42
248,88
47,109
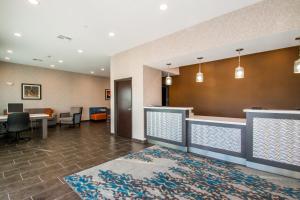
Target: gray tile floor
x,y
35,169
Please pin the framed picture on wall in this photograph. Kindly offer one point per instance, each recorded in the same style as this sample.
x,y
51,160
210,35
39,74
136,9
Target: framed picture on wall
x,y
107,94
31,91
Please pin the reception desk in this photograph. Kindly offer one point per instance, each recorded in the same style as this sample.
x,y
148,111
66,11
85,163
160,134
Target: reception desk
x,y
218,137
267,140
273,141
167,126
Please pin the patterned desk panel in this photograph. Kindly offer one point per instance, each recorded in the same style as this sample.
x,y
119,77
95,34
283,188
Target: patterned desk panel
x,y
164,125
277,140
225,138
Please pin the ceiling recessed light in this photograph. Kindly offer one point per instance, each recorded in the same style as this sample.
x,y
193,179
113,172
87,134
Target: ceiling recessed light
x,y
111,34
37,59
102,69
52,66
92,72
163,7
34,2
7,58
79,51
60,61
9,51
18,34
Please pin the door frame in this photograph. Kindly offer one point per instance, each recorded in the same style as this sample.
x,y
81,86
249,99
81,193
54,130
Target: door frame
x,y
116,104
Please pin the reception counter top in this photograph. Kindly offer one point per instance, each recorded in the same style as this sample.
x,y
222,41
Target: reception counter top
x,y
272,111
168,108
222,120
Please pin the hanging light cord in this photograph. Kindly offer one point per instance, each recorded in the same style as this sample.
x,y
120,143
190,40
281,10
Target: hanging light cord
x,y
199,67
168,66
239,58
298,39
200,58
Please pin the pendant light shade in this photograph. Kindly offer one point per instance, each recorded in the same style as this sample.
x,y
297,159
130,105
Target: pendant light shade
x,y
297,62
297,66
199,75
169,80
239,71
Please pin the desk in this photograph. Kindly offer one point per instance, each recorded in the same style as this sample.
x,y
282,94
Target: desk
x,y
218,137
166,126
273,141
43,117
268,140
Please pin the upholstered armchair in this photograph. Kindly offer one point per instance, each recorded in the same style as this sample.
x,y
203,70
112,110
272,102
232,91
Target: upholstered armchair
x,y
71,118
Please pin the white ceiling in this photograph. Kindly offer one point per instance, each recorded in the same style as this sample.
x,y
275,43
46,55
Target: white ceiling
x,y
88,23
271,42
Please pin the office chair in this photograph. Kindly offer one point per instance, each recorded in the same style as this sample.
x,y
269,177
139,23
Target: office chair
x,y
17,123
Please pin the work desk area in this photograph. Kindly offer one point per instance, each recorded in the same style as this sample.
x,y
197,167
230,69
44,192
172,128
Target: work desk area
x,y
43,117
264,140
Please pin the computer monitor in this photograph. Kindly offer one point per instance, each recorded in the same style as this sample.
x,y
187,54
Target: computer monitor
x,y
14,107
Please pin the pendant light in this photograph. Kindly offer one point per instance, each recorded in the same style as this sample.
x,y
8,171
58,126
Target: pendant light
x,y
239,71
199,75
297,62
168,78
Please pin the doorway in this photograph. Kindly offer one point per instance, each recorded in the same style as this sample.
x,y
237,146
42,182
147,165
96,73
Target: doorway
x,y
165,95
123,105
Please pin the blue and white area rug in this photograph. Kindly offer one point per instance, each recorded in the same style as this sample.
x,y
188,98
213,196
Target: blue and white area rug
x,y
161,173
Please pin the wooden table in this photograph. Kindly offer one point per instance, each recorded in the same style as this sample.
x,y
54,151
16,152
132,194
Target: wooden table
x,y
43,117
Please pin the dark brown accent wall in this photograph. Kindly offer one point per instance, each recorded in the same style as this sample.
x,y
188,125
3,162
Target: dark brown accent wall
x,y
269,83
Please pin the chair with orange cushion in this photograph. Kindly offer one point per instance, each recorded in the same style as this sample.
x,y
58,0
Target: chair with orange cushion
x,y
98,113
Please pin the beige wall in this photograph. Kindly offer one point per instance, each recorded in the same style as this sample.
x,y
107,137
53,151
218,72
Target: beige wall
x,y
152,86
270,17
60,89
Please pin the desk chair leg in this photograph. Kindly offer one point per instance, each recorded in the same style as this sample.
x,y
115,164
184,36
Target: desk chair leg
x,y
24,138
31,125
18,138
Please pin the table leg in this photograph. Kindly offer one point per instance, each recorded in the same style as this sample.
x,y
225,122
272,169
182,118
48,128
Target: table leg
x,y
45,128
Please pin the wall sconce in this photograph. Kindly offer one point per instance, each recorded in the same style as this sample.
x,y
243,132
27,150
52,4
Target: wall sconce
x,y
9,83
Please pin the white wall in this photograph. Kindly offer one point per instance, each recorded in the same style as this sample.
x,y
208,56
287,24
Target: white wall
x,y
254,22
60,89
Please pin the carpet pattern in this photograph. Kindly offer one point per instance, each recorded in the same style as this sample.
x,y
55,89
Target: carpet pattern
x,y
161,173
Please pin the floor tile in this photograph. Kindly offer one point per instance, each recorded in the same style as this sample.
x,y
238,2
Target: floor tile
x,y
36,169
